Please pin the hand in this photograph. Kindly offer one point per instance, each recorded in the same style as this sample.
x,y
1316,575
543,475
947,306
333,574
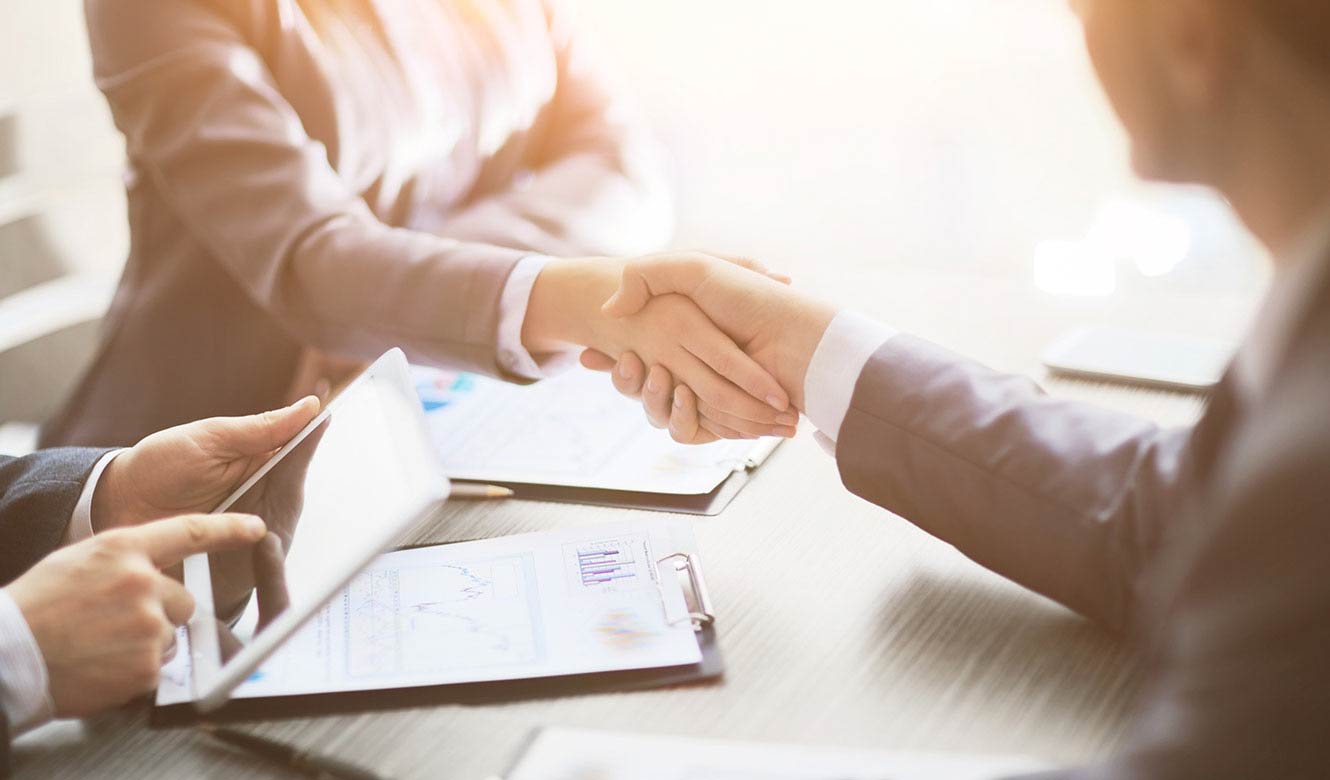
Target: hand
x,y
103,614
779,327
279,498
192,468
566,309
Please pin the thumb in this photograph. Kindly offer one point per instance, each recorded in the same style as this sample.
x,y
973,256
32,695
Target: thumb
x,y
659,275
634,292
757,266
262,433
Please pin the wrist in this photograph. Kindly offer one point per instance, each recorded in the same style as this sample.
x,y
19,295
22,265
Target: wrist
x,y
564,308
801,336
109,500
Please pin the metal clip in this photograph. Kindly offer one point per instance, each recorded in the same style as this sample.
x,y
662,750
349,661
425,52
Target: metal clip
x,y
702,614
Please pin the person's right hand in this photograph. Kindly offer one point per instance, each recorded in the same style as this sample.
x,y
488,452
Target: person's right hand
x,y
103,614
778,326
566,308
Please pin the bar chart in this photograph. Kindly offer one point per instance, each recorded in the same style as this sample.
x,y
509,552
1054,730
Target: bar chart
x,y
602,564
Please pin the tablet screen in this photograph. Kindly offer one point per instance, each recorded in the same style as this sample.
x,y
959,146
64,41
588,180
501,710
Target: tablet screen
x,y
347,488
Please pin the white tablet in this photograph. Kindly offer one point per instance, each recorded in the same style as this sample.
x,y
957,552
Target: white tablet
x,y
341,492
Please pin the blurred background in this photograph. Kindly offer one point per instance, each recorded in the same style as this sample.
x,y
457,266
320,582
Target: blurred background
x,y
961,146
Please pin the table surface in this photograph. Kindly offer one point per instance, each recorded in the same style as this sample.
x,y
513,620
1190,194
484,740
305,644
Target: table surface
x,y
908,646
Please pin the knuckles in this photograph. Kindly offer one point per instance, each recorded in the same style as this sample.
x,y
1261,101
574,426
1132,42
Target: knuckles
x,y
196,529
134,581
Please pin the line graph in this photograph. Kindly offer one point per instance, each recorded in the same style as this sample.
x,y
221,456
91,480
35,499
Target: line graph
x,y
442,617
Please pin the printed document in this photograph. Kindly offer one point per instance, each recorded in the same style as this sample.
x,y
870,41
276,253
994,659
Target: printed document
x,y
574,601
573,430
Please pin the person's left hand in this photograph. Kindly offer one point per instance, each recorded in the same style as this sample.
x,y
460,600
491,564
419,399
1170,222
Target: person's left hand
x,y
192,467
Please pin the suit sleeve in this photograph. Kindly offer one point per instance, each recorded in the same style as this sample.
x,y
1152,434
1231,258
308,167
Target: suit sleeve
x,y
204,119
38,494
1065,498
596,181
5,768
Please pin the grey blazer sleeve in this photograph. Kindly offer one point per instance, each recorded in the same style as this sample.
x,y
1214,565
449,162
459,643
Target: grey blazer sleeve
x,y
1064,498
5,769
38,494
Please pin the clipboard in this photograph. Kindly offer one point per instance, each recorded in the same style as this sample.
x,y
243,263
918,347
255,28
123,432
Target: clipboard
x,y
573,439
701,614
705,504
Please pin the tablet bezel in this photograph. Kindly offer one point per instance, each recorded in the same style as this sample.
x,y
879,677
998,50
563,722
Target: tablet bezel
x,y
213,681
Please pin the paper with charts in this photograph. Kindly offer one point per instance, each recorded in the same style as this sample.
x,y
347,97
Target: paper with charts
x,y
573,430
584,754
536,605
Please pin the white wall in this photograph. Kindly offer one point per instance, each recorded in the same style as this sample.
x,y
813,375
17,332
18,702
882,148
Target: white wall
x,y
852,133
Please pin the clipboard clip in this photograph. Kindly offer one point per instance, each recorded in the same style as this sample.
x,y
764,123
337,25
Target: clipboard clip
x,y
700,614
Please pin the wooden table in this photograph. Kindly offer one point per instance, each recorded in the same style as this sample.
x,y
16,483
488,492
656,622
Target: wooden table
x,y
841,624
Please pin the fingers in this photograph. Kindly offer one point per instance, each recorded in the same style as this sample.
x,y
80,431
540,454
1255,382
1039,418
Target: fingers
x,y
260,433
684,424
630,375
657,396
596,360
719,393
168,542
725,358
177,603
270,579
741,426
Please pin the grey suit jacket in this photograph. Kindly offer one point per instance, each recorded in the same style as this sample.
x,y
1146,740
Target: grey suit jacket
x,y
344,182
1210,544
38,494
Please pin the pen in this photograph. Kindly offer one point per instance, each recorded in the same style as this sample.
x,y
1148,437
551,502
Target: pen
x,y
468,492
302,761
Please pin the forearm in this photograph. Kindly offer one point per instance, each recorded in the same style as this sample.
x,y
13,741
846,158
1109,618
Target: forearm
x,y
1067,499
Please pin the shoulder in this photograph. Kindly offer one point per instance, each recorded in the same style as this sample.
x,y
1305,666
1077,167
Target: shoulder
x,y
125,32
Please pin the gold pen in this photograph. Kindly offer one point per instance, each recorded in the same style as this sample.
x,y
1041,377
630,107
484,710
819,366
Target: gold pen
x,y
464,491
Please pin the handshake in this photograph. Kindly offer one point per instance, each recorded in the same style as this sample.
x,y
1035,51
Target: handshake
x,y
728,350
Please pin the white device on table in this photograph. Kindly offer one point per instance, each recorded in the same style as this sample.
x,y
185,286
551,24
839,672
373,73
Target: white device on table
x,y
1158,359
342,491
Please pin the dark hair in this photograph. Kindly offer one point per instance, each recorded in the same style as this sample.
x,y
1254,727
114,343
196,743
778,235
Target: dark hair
x,y
1303,24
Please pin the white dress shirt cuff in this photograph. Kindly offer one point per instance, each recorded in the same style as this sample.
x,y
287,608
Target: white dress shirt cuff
x,y
24,687
516,296
80,524
840,357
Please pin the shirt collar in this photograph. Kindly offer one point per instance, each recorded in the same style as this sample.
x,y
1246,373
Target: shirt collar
x,y
1298,278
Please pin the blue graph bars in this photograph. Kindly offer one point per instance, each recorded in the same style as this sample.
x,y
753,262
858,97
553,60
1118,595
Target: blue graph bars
x,y
599,567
